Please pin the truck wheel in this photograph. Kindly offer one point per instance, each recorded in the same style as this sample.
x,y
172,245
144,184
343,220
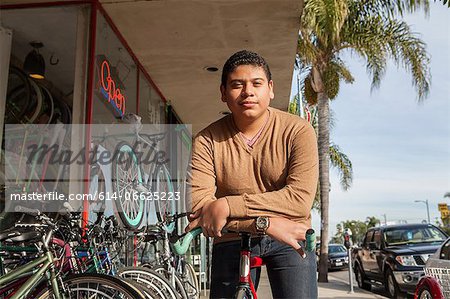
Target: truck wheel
x,y
391,284
425,294
359,275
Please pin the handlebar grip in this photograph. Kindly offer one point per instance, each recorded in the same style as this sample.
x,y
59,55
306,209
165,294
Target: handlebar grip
x,y
310,240
181,246
25,210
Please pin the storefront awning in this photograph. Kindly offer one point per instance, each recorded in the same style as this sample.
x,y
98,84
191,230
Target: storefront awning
x,y
176,41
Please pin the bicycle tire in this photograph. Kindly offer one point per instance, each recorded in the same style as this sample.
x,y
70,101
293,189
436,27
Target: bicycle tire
x,y
61,112
48,107
126,174
192,281
179,285
151,279
98,286
242,293
36,111
162,184
18,96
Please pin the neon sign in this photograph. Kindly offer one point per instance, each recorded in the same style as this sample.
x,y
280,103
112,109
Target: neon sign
x,y
110,90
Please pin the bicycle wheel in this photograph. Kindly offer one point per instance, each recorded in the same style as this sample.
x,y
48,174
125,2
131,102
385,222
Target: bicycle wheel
x,y
99,286
47,110
151,279
18,96
190,281
36,111
162,186
126,176
243,293
177,282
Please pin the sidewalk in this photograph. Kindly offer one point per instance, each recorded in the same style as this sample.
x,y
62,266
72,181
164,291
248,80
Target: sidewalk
x,y
337,289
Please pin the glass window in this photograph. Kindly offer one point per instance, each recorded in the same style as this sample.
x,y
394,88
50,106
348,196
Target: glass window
x,y
445,251
413,235
151,107
377,238
336,249
368,238
115,78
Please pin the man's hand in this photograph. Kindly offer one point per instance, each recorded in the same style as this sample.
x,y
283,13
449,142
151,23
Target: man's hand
x,y
211,218
287,231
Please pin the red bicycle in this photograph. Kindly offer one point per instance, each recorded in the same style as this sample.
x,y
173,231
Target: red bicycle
x,y
245,288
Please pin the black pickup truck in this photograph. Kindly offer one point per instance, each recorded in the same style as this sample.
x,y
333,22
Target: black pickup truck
x,y
394,256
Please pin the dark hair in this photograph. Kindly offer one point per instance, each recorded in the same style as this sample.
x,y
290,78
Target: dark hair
x,y
244,57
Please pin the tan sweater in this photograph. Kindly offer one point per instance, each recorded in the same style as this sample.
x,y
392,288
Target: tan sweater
x,y
277,177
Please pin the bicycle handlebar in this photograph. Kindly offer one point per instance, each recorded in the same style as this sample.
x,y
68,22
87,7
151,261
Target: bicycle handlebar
x,y
181,246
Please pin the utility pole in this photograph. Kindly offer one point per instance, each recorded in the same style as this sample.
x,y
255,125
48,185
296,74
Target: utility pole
x,y
385,219
428,210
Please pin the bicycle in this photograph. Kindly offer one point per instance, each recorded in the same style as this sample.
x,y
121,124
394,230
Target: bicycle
x,y
131,180
174,267
245,288
40,277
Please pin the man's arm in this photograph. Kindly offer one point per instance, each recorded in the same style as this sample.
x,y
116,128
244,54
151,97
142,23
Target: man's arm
x,y
296,198
202,176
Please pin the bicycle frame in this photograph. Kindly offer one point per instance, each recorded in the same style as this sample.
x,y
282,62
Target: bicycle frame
x,y
247,262
46,266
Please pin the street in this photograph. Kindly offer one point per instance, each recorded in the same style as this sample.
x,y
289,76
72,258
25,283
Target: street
x,y
342,275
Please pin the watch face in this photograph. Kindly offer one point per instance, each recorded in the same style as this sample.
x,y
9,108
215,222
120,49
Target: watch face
x,y
262,223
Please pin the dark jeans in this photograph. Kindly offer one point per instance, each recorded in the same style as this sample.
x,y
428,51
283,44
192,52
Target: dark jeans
x,y
290,276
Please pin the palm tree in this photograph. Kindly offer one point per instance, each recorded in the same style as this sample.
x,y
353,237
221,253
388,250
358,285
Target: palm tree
x,y
369,29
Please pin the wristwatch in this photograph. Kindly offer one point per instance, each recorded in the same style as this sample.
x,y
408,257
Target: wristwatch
x,y
262,224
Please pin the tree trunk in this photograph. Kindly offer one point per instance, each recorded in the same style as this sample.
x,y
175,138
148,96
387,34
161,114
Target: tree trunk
x,y
324,179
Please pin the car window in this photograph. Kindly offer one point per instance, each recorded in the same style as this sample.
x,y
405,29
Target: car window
x,y
368,239
445,251
336,249
411,235
377,238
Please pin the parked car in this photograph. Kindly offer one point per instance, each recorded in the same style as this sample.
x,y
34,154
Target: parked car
x,y
395,255
337,256
436,282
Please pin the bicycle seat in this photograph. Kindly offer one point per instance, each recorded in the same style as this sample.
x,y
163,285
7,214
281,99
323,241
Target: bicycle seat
x,y
22,234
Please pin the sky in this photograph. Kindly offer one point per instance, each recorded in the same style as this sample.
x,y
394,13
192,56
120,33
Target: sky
x,y
399,148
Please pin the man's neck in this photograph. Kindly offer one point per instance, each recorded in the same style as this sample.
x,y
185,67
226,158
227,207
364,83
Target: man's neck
x,y
251,127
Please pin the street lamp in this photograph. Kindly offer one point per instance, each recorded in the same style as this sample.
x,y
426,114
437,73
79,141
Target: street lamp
x,y
428,210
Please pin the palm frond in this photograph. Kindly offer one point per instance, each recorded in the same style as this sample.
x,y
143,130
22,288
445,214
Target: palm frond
x,y
342,163
378,39
325,18
445,2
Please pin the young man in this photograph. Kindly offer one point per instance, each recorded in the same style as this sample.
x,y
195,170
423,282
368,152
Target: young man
x,y
256,170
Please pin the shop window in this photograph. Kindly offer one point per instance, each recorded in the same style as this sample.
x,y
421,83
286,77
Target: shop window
x,y
115,78
151,107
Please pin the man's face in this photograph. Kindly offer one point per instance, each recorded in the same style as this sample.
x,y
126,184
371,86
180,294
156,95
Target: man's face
x,y
248,92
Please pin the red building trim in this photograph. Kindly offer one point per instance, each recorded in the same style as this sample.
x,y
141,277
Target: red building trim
x,y
89,104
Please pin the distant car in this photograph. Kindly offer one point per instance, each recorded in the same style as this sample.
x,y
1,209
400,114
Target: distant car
x,y
436,282
337,256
